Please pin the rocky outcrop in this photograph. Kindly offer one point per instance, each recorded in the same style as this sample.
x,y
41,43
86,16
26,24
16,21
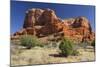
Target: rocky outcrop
x,y
42,23
79,29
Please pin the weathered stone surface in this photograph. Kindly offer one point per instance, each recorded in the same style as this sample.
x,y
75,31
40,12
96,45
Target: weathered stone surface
x,y
42,23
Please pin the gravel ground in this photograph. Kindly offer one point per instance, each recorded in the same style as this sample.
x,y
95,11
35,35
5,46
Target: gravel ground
x,y
38,55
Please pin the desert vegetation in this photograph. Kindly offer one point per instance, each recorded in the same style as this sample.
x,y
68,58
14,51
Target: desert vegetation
x,y
30,41
67,47
93,43
63,52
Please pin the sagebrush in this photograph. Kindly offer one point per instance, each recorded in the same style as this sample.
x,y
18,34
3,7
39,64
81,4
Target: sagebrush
x,y
30,41
67,47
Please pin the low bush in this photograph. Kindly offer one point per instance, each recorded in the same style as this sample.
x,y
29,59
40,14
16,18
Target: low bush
x,y
67,47
93,43
75,53
84,44
30,41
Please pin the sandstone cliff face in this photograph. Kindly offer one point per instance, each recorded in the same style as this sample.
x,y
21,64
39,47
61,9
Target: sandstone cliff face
x,y
42,23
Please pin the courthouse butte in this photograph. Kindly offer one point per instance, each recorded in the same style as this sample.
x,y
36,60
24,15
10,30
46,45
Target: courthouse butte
x,y
44,22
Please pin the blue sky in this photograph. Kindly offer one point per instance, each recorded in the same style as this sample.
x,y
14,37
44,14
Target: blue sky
x,y
18,9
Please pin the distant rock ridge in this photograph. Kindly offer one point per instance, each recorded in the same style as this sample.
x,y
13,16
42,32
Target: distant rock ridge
x,y
44,22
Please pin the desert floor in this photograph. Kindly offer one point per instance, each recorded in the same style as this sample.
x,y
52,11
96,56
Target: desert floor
x,y
47,55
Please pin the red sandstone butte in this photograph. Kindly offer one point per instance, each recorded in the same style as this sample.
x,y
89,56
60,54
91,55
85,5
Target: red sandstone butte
x,y
42,23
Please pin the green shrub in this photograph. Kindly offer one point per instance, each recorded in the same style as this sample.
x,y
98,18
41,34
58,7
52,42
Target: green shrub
x,y
75,52
84,44
30,41
67,47
93,43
